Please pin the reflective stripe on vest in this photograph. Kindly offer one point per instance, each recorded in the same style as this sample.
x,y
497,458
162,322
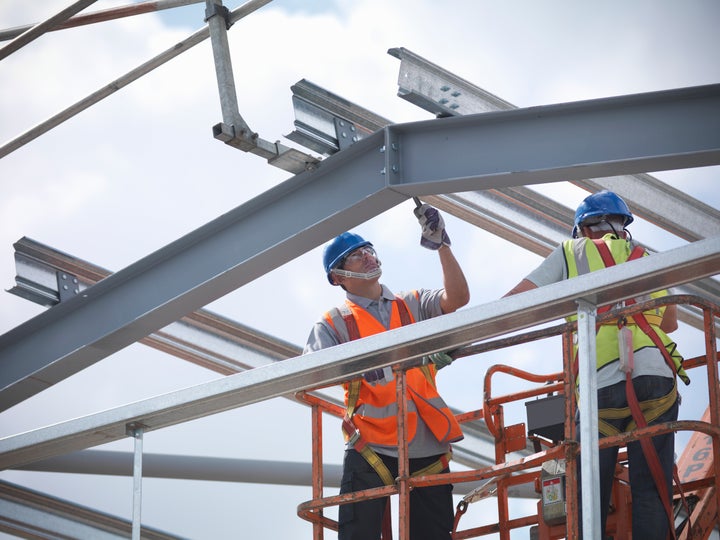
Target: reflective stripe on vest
x,y
375,409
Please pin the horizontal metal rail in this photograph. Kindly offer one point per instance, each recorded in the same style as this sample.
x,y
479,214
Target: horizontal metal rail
x,y
330,366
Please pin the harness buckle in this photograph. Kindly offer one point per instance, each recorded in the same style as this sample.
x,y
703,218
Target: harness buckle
x,y
355,437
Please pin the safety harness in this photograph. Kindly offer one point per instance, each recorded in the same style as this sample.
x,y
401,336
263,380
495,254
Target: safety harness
x,y
645,412
355,438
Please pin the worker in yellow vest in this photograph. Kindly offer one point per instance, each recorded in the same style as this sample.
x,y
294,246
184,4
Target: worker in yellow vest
x,y
637,363
370,423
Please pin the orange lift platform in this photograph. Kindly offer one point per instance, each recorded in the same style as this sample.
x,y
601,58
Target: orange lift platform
x,y
550,401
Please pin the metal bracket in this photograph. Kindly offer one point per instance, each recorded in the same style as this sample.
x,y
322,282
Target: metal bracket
x,y
133,428
218,9
345,132
68,285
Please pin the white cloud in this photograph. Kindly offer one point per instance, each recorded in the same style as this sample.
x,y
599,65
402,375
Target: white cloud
x,y
141,168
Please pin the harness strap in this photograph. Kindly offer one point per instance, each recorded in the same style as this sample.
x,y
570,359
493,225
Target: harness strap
x,y
609,260
651,456
653,335
637,413
436,467
651,409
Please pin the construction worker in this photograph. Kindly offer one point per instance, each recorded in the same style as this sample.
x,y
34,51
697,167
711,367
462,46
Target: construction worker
x,y
370,424
644,372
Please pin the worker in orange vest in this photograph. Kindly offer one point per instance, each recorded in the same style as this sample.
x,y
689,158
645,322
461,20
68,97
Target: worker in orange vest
x,y
370,423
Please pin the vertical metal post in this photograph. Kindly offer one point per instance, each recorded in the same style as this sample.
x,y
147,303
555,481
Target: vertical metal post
x,y
217,19
714,392
136,431
317,466
403,456
589,455
571,491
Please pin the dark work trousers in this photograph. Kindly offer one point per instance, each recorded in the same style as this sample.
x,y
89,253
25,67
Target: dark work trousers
x,y
649,521
431,508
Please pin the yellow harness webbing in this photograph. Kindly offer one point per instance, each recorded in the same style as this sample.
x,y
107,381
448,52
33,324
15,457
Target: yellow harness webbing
x,y
651,409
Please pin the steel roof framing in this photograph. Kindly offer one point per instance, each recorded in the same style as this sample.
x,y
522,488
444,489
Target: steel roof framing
x,y
424,158
102,15
198,37
577,140
202,337
518,214
440,92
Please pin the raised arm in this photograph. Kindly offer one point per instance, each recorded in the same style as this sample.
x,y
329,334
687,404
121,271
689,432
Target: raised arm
x,y
457,293
435,237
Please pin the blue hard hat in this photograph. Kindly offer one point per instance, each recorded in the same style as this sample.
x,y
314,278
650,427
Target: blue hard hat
x,y
338,248
602,203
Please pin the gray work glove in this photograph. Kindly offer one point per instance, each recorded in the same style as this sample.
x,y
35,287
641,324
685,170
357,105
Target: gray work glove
x,y
433,227
440,359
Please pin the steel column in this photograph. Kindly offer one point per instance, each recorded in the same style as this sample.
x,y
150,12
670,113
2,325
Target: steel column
x,y
587,404
136,431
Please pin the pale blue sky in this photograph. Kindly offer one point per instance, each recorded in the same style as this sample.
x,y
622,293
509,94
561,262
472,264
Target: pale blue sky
x,y
192,15
141,168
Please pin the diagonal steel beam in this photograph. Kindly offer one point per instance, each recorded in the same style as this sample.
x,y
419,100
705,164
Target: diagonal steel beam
x,y
439,156
203,337
138,8
442,93
342,362
34,32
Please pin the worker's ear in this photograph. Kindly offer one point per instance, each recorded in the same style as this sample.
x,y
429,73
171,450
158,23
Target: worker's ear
x,y
337,280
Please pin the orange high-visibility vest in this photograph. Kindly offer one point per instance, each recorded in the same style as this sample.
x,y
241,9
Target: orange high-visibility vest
x,y
375,411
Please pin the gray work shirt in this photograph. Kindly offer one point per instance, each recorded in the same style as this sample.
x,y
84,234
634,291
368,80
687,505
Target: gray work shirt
x,y
322,335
